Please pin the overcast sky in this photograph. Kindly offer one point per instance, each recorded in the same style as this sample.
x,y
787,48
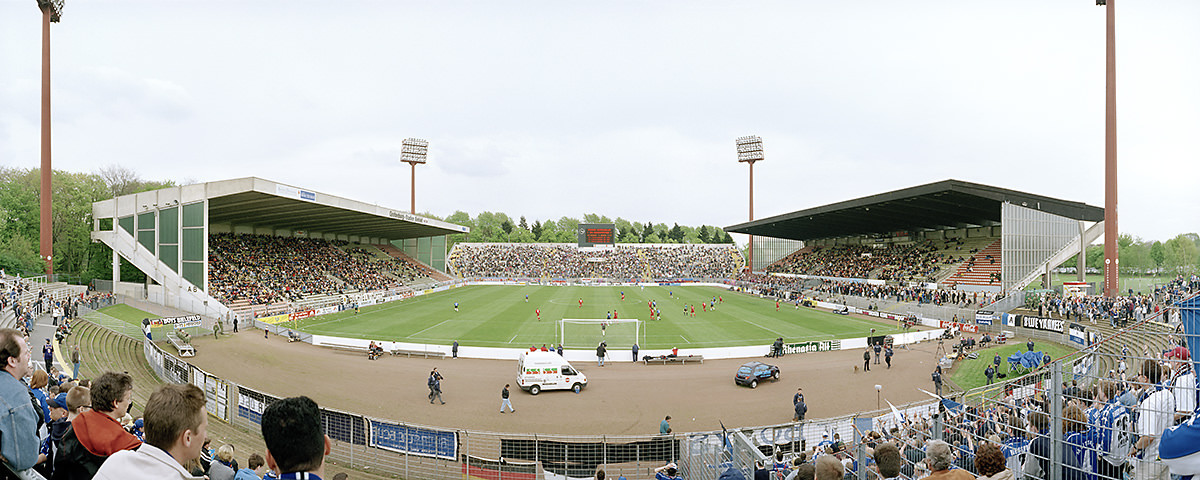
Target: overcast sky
x,y
629,109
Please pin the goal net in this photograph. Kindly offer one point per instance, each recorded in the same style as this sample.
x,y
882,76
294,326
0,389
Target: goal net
x,y
588,332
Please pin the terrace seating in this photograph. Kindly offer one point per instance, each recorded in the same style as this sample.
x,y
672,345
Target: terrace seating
x,y
263,274
981,269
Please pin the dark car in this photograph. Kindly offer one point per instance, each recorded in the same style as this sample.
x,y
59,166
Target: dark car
x,y
751,373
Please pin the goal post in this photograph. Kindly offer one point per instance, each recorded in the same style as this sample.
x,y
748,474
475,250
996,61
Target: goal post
x,y
589,332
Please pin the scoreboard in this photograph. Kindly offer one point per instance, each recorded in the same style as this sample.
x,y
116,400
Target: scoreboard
x,y
593,234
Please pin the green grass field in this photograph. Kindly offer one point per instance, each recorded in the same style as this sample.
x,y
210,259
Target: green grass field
x,y
1138,284
968,373
498,316
126,313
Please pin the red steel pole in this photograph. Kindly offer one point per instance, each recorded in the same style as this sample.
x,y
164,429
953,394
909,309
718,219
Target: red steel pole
x,y
1112,284
47,230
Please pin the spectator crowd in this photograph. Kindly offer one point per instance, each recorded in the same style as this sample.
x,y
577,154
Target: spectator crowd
x,y
265,269
623,262
920,261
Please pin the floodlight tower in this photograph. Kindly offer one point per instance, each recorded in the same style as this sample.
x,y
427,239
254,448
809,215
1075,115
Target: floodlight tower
x,y
51,13
750,150
413,152
1112,281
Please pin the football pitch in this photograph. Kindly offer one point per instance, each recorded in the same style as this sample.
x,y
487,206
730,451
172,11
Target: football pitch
x,y
499,316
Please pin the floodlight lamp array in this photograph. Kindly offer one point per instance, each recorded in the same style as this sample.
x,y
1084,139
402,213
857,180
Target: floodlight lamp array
x,y
54,7
750,148
414,150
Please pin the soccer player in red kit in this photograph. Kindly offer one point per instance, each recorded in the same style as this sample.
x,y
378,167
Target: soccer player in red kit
x,y
777,305
580,303
538,311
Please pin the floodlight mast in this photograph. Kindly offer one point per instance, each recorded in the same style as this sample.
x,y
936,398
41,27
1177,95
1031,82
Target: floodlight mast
x,y
51,13
750,150
1112,280
413,152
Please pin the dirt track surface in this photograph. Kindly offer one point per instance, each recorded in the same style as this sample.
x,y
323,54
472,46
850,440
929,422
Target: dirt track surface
x,y
621,398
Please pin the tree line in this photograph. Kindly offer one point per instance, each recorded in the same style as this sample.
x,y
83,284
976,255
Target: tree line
x,y
500,228
75,256
1177,256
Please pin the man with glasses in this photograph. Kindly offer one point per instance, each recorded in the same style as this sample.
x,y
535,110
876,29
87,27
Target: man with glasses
x,y
18,419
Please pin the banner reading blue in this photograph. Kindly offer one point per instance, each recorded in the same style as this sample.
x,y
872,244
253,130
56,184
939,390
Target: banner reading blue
x,y
414,441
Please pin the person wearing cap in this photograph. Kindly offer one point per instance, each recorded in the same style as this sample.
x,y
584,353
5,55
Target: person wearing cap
x,y
667,472
57,425
825,442
1183,383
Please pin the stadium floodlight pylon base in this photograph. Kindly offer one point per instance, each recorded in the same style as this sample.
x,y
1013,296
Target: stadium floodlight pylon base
x,y
589,332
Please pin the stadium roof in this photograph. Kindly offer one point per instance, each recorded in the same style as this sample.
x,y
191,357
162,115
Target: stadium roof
x,y
253,201
935,206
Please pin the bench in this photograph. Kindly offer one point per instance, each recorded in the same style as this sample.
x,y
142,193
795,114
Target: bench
x,y
680,359
346,348
419,353
184,349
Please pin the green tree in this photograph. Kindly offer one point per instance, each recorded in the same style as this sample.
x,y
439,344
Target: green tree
x,y
1095,257
1181,255
536,230
523,225
676,234
703,234
19,256
1158,255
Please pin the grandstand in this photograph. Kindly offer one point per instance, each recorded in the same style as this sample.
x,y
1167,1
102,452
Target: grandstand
x,y
954,234
251,246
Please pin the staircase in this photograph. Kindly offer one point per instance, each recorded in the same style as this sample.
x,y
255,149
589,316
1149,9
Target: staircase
x,y
394,252
981,269
178,293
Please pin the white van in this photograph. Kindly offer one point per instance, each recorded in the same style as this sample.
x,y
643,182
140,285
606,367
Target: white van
x,y
537,371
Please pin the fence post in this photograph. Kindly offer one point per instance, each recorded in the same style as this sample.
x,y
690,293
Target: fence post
x,y
861,457
1056,416
937,422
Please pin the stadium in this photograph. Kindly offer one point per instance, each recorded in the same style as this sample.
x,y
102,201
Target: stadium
x,y
263,296
936,274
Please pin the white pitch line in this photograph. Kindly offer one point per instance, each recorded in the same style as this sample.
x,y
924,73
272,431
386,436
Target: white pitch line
x,y
685,339
762,327
429,328
511,339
